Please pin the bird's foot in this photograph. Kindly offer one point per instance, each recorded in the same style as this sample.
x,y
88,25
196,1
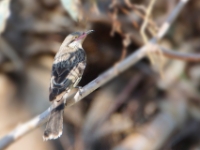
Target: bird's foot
x,y
79,90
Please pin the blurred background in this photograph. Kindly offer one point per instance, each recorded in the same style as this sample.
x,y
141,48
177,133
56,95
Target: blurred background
x,y
138,110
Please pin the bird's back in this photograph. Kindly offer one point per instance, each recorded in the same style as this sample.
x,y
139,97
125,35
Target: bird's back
x,y
68,66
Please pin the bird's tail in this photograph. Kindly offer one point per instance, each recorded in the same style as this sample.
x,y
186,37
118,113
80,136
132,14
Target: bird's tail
x,y
54,125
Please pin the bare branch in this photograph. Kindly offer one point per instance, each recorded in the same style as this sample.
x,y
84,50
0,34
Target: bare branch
x,y
181,56
93,85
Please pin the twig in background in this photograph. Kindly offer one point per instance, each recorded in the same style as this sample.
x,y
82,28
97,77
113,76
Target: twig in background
x,y
94,7
139,7
152,57
93,85
126,42
147,137
116,25
136,9
144,25
181,56
11,54
122,97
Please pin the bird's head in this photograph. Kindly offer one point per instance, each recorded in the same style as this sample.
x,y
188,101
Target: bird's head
x,y
76,39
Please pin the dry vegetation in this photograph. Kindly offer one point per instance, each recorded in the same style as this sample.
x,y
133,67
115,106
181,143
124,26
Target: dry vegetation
x,y
153,105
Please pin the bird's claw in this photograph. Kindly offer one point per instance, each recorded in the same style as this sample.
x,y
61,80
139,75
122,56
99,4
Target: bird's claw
x,y
79,90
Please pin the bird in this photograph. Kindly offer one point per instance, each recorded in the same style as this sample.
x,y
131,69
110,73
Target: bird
x,y
67,70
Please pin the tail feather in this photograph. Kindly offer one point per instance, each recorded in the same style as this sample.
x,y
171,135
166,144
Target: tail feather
x,y
55,123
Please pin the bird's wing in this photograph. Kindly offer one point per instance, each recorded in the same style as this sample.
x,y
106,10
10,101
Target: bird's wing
x,y
66,70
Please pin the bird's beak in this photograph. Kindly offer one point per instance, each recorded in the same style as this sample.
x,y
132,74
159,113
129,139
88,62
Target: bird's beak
x,y
88,32
83,36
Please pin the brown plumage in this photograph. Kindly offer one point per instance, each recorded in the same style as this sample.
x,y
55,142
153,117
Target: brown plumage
x,y
67,70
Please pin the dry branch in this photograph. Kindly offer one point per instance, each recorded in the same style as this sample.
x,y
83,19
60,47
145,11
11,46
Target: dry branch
x,y
93,85
181,56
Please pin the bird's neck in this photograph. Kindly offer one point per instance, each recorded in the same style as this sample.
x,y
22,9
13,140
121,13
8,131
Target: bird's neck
x,y
75,45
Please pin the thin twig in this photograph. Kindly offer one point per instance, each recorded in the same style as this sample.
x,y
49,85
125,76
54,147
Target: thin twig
x,y
144,25
139,10
153,58
143,29
93,85
181,56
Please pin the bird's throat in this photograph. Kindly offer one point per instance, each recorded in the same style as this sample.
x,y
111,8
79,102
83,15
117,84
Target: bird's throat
x,y
75,44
